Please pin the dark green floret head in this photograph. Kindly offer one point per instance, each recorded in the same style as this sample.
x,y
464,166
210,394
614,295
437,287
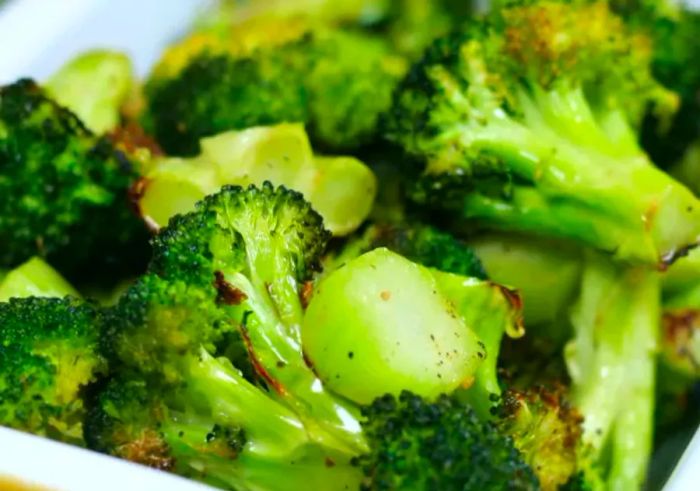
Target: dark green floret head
x,y
416,444
236,227
48,355
219,92
336,81
59,185
350,86
270,236
428,246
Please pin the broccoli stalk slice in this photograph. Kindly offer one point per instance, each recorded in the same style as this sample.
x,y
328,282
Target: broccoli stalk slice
x,y
545,273
491,311
616,327
94,85
35,278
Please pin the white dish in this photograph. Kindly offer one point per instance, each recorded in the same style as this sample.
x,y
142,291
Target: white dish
x,y
30,460
36,37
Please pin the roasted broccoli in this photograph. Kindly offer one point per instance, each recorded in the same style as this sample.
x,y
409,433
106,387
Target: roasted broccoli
x,y
527,119
497,286
48,355
59,186
213,383
213,331
419,445
337,82
245,440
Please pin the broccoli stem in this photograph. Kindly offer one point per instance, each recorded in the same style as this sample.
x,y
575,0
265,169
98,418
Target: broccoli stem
x,y
35,278
271,428
526,210
276,346
612,365
249,474
588,185
308,468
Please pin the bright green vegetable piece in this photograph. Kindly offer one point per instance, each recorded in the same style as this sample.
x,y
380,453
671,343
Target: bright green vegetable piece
x,y
611,361
546,273
687,170
35,278
94,85
380,324
683,275
341,189
490,310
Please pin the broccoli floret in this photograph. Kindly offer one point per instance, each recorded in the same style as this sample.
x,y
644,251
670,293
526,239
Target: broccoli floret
x,y
675,53
48,355
527,119
211,333
216,92
417,444
421,243
546,429
229,277
59,186
338,82
352,79
612,363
